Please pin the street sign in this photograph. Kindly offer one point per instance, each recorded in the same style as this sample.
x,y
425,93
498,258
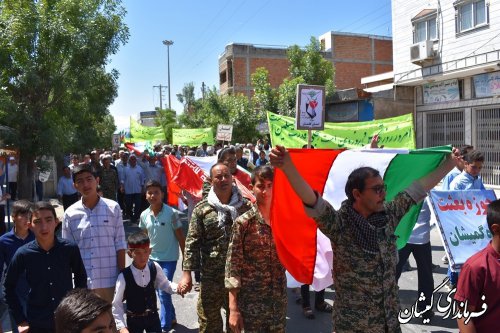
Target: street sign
x,y
224,132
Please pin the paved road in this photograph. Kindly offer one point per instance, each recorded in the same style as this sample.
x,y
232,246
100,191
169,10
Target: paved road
x,y
297,323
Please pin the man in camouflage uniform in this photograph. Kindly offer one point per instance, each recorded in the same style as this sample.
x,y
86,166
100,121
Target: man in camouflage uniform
x,y
206,246
254,275
363,241
109,179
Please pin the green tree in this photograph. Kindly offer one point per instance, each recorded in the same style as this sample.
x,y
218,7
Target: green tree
x,y
309,64
167,119
223,109
54,87
265,98
287,95
186,97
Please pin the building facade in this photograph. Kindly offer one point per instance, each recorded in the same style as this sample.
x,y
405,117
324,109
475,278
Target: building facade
x,y
353,55
449,52
356,56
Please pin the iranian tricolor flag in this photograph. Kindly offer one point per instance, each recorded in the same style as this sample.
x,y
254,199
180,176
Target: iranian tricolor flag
x,y
299,247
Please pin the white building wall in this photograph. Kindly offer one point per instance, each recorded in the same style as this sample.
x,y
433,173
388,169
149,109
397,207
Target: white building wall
x,y
450,46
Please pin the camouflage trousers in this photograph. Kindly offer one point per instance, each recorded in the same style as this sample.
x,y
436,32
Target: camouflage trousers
x,y
212,297
263,313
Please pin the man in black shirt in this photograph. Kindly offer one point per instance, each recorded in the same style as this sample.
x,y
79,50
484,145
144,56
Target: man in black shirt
x,y
48,263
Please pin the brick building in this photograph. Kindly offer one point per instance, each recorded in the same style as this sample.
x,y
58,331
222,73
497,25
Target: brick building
x,y
353,55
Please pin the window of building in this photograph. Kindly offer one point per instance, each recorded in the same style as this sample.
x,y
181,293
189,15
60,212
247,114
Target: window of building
x,y
425,26
425,30
471,15
222,77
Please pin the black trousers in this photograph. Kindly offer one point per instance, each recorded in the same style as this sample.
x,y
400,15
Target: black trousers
x,y
319,296
13,190
423,256
149,323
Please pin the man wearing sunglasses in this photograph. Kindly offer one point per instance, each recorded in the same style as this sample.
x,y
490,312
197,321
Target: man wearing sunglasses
x,y
363,241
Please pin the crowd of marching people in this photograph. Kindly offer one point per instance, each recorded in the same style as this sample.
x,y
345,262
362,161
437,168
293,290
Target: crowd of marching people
x,y
79,282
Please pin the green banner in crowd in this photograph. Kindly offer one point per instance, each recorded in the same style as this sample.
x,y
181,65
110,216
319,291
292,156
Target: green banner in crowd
x,y
139,133
192,136
396,132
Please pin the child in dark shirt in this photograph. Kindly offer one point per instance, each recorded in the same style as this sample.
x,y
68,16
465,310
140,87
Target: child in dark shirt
x,y
48,264
10,242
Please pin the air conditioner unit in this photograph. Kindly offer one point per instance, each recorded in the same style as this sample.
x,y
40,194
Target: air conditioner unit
x,y
421,51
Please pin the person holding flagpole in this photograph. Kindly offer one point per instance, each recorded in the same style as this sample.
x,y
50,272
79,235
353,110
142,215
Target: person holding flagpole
x,y
363,240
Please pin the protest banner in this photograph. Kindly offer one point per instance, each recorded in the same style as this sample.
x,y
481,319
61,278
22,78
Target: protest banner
x,y
192,136
396,132
224,132
139,133
461,217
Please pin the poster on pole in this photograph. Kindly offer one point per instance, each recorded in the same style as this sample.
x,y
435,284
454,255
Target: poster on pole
x,y
224,132
116,141
461,218
310,107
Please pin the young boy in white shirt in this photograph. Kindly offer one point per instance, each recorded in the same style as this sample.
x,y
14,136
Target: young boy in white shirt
x,y
137,284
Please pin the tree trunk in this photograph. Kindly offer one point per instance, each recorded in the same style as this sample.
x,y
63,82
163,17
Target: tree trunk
x,y
26,176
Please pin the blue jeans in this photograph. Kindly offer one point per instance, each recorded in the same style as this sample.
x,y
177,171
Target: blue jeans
x,y
453,276
167,310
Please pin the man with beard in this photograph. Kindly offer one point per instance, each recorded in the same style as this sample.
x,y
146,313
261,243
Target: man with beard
x,y
206,246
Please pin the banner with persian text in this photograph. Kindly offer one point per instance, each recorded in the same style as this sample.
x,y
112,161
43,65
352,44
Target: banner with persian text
x,y
140,133
396,132
461,217
192,136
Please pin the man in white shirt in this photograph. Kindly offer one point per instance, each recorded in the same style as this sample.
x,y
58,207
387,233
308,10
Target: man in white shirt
x,y
13,170
96,225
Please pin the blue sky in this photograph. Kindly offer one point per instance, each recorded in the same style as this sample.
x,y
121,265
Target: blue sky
x,y
200,31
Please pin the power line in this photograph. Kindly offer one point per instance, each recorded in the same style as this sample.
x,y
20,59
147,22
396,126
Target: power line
x,y
214,33
204,31
365,16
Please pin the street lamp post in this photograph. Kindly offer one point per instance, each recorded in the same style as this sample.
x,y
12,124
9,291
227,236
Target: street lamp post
x,y
168,43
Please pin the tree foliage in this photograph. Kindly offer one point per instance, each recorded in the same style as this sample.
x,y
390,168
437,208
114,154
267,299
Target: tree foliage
x,y
307,66
218,109
167,119
187,97
54,87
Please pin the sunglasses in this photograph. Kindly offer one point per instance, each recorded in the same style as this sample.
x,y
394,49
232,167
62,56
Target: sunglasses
x,y
378,189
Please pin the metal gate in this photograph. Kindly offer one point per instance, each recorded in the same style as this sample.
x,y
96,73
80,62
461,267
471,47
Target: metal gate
x,y
445,128
488,142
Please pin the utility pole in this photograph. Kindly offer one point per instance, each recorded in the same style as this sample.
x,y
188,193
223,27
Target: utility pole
x,y
161,95
203,90
168,43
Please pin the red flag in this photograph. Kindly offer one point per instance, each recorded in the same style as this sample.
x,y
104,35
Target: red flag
x,y
171,167
132,148
294,232
190,177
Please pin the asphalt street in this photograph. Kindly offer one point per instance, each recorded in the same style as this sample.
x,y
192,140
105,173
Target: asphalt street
x,y
187,320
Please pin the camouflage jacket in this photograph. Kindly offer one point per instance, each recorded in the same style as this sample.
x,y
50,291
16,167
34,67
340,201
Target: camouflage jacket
x,y
207,240
366,292
109,183
253,266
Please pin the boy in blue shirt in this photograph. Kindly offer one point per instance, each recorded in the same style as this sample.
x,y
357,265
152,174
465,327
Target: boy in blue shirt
x,y
10,242
164,229
49,264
